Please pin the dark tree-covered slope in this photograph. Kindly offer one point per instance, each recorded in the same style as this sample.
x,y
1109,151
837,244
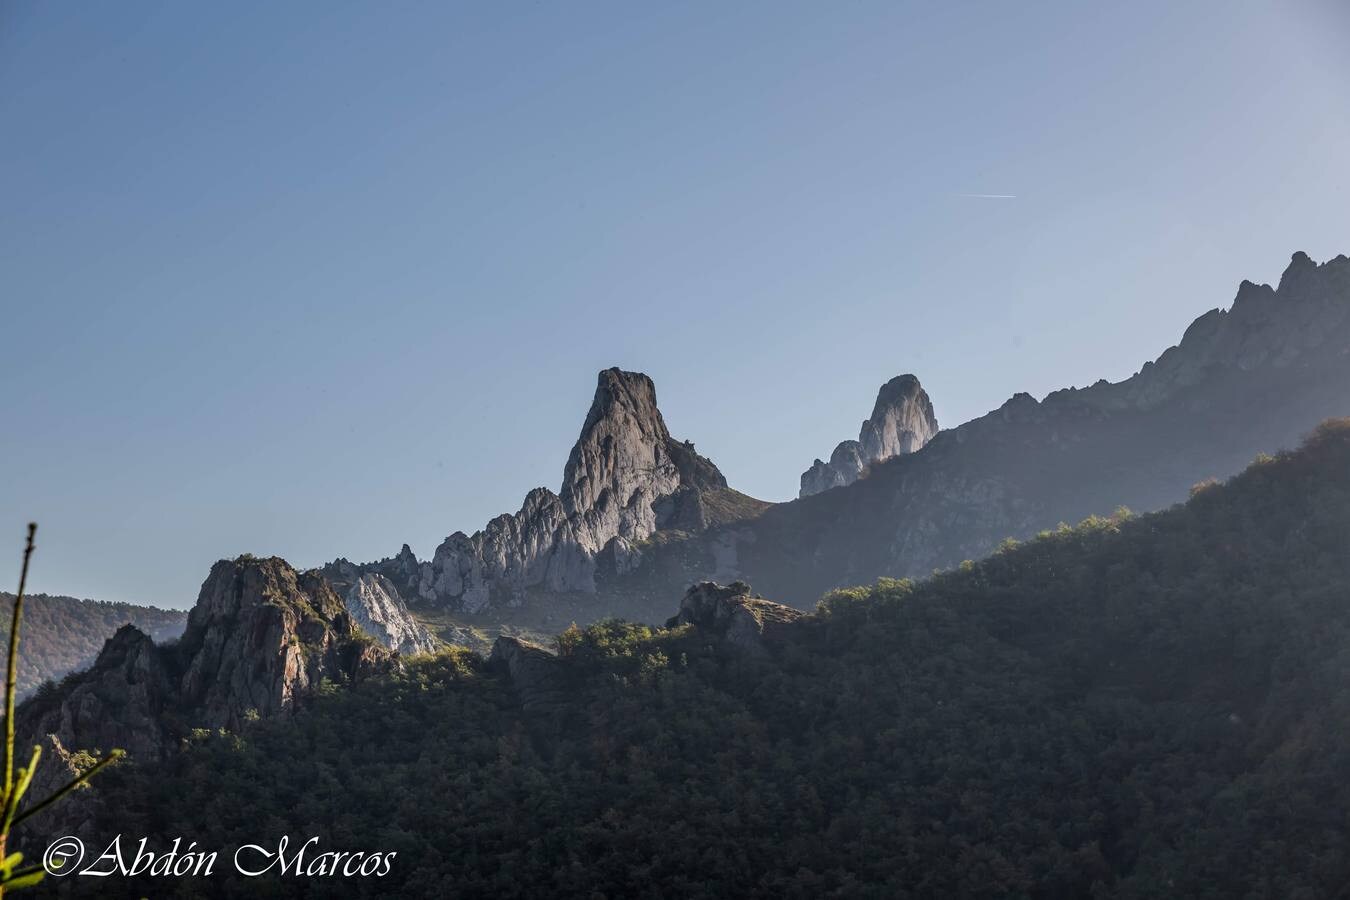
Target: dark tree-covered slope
x,y
63,635
1138,706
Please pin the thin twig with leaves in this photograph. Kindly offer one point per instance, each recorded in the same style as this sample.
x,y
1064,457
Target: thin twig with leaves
x,y
13,788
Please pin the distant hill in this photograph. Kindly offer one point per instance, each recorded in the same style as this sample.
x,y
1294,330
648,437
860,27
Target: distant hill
x,y
62,634
1137,706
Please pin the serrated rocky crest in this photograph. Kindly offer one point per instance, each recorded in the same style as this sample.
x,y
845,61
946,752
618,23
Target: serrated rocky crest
x,y
625,478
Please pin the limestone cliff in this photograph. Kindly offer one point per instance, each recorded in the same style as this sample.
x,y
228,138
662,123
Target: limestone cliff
x,y
377,609
902,421
625,478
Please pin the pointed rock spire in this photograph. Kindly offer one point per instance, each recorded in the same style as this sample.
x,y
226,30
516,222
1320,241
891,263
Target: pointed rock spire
x,y
623,464
902,421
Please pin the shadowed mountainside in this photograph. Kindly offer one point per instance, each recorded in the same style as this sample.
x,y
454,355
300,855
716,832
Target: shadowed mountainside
x,y
1251,379
1139,706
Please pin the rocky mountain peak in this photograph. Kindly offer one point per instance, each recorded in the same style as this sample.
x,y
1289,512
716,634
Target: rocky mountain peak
x,y
902,421
624,479
238,587
406,561
625,448
1300,265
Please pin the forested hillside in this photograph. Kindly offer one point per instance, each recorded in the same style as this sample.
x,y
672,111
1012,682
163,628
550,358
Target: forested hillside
x,y
1138,706
62,634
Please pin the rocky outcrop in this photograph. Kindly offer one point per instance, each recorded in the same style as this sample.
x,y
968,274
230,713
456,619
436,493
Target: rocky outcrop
x,y
626,478
902,421
260,636
123,701
535,674
377,609
747,622
119,702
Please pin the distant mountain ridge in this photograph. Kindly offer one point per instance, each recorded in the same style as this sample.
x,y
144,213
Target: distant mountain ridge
x,y
642,516
63,634
1139,706
1254,378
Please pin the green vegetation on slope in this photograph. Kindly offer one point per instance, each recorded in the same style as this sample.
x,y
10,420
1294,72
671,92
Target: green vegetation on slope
x,y
63,635
1153,706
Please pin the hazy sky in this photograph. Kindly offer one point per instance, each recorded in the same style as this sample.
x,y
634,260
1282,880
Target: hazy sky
x,y
318,279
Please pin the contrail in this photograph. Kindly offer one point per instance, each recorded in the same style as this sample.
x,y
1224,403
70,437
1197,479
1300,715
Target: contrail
x,y
990,196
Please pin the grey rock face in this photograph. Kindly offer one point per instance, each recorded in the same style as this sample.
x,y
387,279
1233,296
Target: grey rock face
x,y
625,478
902,421
260,635
376,607
746,622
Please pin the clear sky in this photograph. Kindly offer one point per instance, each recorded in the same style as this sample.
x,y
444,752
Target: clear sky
x,y
315,279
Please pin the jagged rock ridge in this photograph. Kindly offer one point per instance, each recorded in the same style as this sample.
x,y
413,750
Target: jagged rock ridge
x,y
902,421
1254,378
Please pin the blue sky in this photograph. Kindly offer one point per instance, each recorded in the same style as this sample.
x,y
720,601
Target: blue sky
x,y
318,279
